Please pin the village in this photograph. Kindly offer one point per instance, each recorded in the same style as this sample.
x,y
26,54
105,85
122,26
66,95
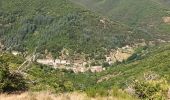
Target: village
x,y
79,65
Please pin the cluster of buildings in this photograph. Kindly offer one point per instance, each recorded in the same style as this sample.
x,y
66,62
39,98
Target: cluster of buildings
x,y
76,66
51,62
79,65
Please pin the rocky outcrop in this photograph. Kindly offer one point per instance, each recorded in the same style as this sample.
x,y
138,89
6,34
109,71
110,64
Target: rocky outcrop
x,y
166,19
120,54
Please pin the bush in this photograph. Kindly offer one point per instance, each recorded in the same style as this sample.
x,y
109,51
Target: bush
x,y
15,82
151,89
11,82
4,72
68,86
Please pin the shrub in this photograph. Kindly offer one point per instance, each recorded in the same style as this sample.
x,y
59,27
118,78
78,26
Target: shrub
x,y
11,82
4,72
68,86
15,82
151,89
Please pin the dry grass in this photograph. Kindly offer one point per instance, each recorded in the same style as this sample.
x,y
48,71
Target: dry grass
x,y
50,96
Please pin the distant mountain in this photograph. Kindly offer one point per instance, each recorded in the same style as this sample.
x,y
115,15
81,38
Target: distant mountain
x,y
141,14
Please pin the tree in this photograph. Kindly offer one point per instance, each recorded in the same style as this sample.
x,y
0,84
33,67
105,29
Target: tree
x,y
10,81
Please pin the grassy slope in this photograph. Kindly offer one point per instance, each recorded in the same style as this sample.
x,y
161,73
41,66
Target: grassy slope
x,y
141,14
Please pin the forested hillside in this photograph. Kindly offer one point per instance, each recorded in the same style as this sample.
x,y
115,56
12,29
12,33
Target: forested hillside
x,y
57,24
146,15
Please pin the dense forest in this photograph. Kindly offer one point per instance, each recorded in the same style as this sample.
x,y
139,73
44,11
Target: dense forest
x,y
145,15
54,25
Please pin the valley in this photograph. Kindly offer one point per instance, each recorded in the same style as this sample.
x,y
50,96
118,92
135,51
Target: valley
x,y
84,49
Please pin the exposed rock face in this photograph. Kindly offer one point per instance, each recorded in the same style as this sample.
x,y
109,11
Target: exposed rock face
x,y
166,19
120,54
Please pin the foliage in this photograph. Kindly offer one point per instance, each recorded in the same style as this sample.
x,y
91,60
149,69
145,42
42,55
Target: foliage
x,y
122,95
57,24
3,75
105,64
93,92
15,82
145,15
11,81
68,85
61,24
151,89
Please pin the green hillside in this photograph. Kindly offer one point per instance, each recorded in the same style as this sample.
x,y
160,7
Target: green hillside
x,y
57,24
145,15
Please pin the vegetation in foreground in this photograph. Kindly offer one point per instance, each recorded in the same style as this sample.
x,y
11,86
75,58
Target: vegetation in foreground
x,y
147,77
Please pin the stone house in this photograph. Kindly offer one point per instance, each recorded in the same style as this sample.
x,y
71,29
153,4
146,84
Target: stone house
x,y
79,69
50,62
96,69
